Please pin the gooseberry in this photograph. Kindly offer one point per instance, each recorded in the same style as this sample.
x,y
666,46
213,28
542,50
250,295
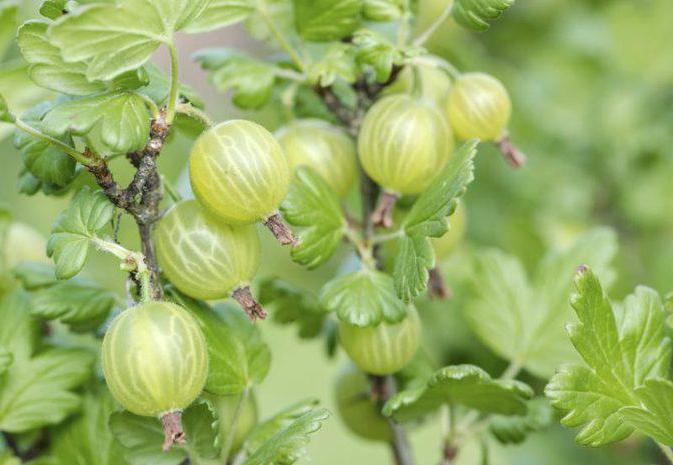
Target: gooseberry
x,y
355,407
323,147
206,258
479,106
383,349
155,362
239,173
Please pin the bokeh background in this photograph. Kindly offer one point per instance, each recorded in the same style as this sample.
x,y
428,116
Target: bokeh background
x,y
592,87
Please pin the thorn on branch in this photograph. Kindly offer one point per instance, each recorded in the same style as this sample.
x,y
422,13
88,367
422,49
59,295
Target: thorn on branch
x,y
280,230
383,214
173,433
252,308
513,156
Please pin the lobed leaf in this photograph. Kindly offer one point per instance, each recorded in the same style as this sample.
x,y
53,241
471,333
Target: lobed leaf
x,y
221,13
363,298
383,10
466,385
89,211
515,429
622,349
653,415
6,359
313,206
327,20
476,14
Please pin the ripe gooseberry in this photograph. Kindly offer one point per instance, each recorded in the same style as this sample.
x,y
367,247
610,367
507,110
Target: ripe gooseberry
x,y
226,408
325,148
403,143
383,349
155,362
206,258
239,173
355,407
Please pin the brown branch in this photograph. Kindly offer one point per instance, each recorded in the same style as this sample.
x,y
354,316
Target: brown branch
x,y
383,388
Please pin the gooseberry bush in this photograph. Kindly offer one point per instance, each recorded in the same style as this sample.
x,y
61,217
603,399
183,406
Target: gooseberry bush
x,y
367,171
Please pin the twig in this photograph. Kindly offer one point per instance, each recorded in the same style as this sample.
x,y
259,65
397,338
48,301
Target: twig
x,y
383,388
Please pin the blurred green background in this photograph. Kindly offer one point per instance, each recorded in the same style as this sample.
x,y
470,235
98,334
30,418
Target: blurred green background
x,y
592,87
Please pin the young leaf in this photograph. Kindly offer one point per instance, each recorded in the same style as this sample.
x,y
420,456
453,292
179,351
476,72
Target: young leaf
x,y
221,13
337,62
80,304
38,392
238,356
18,331
121,117
382,10
250,79
363,298
113,38
428,218
653,415
290,304
372,49
286,446
142,437
525,322
19,91
622,349
88,438
326,20
476,14
313,206
47,67
89,211
515,429
466,385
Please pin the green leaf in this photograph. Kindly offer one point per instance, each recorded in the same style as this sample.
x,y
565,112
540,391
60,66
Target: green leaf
x,y
363,298
428,217
653,416
221,13
8,23
89,211
238,356
38,392
34,275
53,9
286,446
88,439
159,88
623,347
313,206
82,305
289,304
375,50
515,429
6,458
524,322
383,10
476,14
6,359
142,437
250,79
121,117
5,114
338,61
113,38
48,68
18,331
466,385
326,20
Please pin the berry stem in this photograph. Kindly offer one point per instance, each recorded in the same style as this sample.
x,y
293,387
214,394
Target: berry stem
x,y
173,433
280,230
383,214
512,155
252,308
174,84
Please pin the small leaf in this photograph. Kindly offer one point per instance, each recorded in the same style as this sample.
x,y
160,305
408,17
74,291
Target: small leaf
x,y
327,20
159,88
5,114
623,348
113,38
383,10
83,306
313,206
363,298
289,304
221,13
375,50
88,438
121,118
89,211
653,416
338,61
53,9
466,385
34,275
250,79
287,445
38,392
47,67
476,14
428,217
238,356
515,429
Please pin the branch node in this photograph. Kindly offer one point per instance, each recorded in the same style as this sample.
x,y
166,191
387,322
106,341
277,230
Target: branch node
x,y
280,230
513,156
383,214
173,433
251,307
